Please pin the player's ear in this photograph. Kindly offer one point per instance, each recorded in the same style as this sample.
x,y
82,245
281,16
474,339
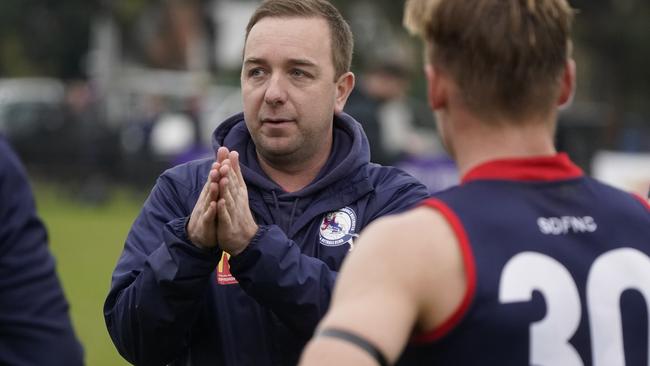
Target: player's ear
x,y
437,90
568,83
344,86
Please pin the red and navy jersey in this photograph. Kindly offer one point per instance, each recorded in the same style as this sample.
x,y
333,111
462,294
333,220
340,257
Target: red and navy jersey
x,y
557,265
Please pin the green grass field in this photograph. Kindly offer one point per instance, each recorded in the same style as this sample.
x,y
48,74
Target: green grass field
x,y
86,241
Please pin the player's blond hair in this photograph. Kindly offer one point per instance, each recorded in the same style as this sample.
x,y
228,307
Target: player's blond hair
x,y
507,56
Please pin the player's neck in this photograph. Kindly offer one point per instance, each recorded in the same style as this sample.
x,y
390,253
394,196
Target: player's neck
x,y
480,143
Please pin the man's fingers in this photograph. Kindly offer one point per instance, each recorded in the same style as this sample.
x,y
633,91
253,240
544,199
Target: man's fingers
x,y
222,154
213,175
224,188
223,215
234,157
236,189
230,194
209,216
235,186
229,169
225,168
207,193
206,186
213,192
203,197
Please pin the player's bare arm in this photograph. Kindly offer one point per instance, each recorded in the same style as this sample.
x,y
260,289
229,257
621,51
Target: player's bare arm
x,y
383,271
236,225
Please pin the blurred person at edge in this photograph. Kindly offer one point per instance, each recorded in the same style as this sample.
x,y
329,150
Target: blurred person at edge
x,y
232,262
528,261
398,127
35,326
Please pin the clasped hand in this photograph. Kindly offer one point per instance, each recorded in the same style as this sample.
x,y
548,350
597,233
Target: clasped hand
x,y
221,215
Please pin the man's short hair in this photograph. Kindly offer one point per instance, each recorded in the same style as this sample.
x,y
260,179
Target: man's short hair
x,y
506,56
340,34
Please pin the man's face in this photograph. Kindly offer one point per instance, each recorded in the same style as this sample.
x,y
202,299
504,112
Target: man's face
x,y
288,88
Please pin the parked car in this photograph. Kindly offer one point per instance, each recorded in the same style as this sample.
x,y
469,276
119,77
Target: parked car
x,y
38,117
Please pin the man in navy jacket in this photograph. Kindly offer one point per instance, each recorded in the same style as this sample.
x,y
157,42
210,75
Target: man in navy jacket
x,y
232,262
35,327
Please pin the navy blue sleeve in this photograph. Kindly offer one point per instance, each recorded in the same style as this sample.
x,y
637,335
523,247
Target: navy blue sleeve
x,y
298,287
397,192
35,327
160,281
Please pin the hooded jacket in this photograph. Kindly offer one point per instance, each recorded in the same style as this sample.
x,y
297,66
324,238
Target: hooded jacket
x,y
173,303
35,327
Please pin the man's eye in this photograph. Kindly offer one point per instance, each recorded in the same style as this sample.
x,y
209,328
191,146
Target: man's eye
x,y
256,72
298,73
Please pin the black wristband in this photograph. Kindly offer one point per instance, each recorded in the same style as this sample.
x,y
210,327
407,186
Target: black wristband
x,y
368,347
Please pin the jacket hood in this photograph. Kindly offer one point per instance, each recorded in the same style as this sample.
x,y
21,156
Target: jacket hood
x,y
350,151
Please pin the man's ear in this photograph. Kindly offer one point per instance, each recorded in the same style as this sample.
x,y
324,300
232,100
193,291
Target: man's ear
x,y
344,86
437,91
568,87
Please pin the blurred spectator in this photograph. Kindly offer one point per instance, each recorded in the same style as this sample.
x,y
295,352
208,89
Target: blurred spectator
x,y
400,129
397,126
137,159
163,133
90,144
35,327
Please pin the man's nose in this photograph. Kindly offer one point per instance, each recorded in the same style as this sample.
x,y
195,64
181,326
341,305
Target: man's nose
x,y
276,92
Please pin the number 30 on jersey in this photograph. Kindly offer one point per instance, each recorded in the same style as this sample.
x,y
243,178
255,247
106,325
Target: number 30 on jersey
x,y
611,274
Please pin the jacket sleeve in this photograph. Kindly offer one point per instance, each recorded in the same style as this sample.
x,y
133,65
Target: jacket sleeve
x,y
398,192
298,287
159,283
35,327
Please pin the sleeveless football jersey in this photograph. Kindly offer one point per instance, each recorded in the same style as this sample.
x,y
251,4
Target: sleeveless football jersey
x,y
558,270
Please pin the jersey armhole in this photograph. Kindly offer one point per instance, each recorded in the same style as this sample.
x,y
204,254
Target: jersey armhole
x,y
644,202
470,275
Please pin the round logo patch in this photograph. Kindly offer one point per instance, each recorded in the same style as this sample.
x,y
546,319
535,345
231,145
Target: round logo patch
x,y
337,227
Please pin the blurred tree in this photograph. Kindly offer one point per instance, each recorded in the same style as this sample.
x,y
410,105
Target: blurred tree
x,y
44,37
51,38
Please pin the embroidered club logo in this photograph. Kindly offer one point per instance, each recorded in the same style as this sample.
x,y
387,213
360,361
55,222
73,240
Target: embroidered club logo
x,y
337,228
224,277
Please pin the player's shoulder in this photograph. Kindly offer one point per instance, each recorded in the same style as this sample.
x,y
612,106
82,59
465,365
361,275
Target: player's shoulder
x,y
422,228
423,241
615,198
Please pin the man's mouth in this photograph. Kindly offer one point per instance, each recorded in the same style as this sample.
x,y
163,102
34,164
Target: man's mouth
x,y
277,120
